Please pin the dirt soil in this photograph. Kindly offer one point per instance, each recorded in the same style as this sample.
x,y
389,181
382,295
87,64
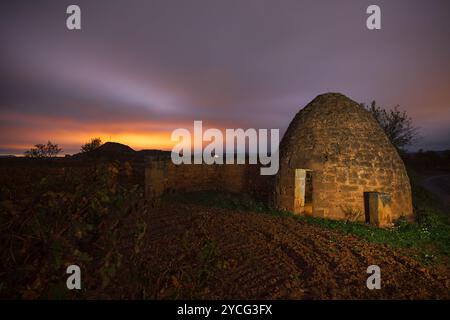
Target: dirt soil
x,y
190,251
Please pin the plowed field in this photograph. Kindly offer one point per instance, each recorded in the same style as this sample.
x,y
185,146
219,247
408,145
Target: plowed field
x,y
191,251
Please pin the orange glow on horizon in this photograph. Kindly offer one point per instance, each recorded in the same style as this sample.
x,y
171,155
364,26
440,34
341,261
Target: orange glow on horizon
x,y
71,134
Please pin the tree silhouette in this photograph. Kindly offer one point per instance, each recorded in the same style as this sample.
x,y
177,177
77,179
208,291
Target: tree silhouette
x,y
396,123
48,150
92,145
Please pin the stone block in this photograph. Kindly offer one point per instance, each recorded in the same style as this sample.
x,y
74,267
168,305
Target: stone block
x,y
378,209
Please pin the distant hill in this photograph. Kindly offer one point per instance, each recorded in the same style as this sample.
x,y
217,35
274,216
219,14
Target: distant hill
x,y
429,161
118,151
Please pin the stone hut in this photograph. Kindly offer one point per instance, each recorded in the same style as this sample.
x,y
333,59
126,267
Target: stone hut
x,y
336,162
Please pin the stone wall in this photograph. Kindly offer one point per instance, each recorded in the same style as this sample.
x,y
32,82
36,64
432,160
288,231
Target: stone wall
x,y
163,177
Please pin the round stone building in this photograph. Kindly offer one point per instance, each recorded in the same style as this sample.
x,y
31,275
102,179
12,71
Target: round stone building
x,y
336,162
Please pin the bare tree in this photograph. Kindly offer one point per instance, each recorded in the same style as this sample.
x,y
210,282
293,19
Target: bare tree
x,y
48,150
92,145
396,123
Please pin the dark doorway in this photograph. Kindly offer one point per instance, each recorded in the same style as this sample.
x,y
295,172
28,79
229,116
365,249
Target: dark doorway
x,y
366,206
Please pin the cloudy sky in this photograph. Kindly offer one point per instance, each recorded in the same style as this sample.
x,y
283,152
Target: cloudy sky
x,y
139,69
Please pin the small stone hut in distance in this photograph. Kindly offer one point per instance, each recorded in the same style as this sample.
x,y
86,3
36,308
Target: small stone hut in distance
x,y
336,162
